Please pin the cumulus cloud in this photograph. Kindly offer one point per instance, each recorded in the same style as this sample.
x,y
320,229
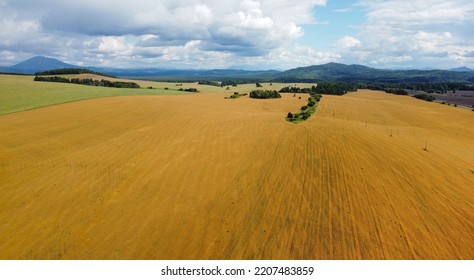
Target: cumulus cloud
x,y
391,59
434,33
418,13
248,33
285,58
148,28
469,54
348,42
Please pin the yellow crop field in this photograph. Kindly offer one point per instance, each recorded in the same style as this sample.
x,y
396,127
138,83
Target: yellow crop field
x,y
369,176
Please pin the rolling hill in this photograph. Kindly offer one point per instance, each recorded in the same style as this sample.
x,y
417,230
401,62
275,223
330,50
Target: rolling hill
x,y
358,73
461,69
315,73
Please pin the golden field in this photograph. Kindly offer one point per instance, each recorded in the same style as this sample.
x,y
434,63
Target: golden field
x,y
203,177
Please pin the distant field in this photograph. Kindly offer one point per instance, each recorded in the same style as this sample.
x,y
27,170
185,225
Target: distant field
x,y
202,177
460,97
19,93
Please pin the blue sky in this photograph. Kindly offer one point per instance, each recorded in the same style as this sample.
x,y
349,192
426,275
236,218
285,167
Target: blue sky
x,y
333,21
249,34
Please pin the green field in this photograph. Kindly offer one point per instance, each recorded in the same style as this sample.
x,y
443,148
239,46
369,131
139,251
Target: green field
x,y
20,93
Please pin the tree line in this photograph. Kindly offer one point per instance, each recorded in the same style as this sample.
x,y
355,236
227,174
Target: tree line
x,y
306,110
329,88
210,83
341,88
70,71
290,89
424,96
335,88
88,82
441,88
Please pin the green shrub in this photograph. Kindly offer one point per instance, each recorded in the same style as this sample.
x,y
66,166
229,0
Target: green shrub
x,y
425,96
191,90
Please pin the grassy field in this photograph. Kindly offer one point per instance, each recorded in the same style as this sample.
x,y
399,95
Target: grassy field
x,y
203,177
19,93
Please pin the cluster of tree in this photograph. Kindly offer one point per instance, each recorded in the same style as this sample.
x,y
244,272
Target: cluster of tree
x,y
334,88
210,83
189,89
88,82
233,83
329,88
388,88
306,111
397,91
303,115
11,73
68,71
424,96
236,95
264,94
54,79
290,89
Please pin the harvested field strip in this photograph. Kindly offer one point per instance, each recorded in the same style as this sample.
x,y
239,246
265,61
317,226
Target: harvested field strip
x,y
199,177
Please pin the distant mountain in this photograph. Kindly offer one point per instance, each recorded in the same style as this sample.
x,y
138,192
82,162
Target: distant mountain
x,y
329,71
239,72
358,73
41,64
38,63
188,74
4,69
315,73
461,69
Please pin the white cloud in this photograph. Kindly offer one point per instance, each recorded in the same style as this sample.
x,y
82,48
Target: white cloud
x,y
7,58
415,33
251,33
419,12
152,30
348,42
16,31
299,56
391,59
109,45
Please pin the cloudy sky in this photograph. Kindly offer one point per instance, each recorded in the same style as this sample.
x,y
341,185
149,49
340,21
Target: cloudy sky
x,y
248,34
